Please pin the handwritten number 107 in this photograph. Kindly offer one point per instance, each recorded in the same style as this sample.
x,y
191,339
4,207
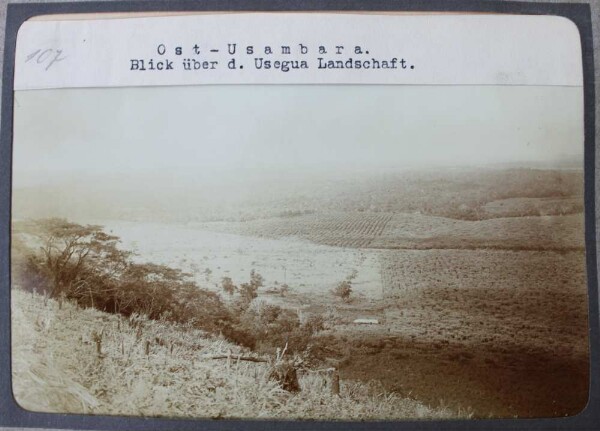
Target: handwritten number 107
x,y
46,57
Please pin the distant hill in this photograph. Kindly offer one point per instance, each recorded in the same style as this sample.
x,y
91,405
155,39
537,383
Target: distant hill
x,y
453,193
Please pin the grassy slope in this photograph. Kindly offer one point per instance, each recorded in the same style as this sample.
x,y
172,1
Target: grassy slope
x,y
56,368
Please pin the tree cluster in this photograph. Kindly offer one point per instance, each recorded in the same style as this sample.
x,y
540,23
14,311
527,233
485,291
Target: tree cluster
x,y
84,264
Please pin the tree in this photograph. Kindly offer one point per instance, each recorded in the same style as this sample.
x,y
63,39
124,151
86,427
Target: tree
x,y
343,290
228,286
148,289
256,279
158,290
72,253
84,264
248,292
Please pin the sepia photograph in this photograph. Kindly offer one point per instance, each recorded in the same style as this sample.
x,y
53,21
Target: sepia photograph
x,y
303,252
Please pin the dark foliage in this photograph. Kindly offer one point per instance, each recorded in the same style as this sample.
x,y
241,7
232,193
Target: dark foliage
x,y
343,290
83,264
228,286
268,327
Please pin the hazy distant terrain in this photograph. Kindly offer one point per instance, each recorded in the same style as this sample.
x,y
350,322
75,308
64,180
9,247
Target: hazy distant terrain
x,y
460,194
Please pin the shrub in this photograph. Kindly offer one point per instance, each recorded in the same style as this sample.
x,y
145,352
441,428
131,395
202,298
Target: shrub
x,y
248,292
269,313
314,323
29,273
240,336
265,327
256,279
343,290
228,286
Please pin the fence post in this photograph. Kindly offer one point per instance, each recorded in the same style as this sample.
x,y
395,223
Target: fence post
x,y
98,340
335,382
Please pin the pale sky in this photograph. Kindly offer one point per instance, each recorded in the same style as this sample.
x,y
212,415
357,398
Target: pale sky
x,y
83,134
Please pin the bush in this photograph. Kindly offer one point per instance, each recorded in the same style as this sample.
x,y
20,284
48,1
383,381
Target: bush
x,y
343,290
228,286
315,323
256,280
29,273
248,292
268,313
265,327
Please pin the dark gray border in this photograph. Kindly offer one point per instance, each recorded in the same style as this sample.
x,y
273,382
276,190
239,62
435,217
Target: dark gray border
x,y
11,415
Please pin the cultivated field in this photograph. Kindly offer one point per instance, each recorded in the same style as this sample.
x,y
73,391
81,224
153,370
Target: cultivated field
x,y
340,229
417,231
505,324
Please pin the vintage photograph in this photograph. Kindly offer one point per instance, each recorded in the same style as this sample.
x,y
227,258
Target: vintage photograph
x,y
338,252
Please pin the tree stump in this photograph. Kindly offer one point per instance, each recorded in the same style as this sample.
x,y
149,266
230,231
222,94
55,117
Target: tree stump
x,y
285,374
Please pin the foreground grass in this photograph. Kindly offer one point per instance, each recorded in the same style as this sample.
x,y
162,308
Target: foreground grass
x,y
72,360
